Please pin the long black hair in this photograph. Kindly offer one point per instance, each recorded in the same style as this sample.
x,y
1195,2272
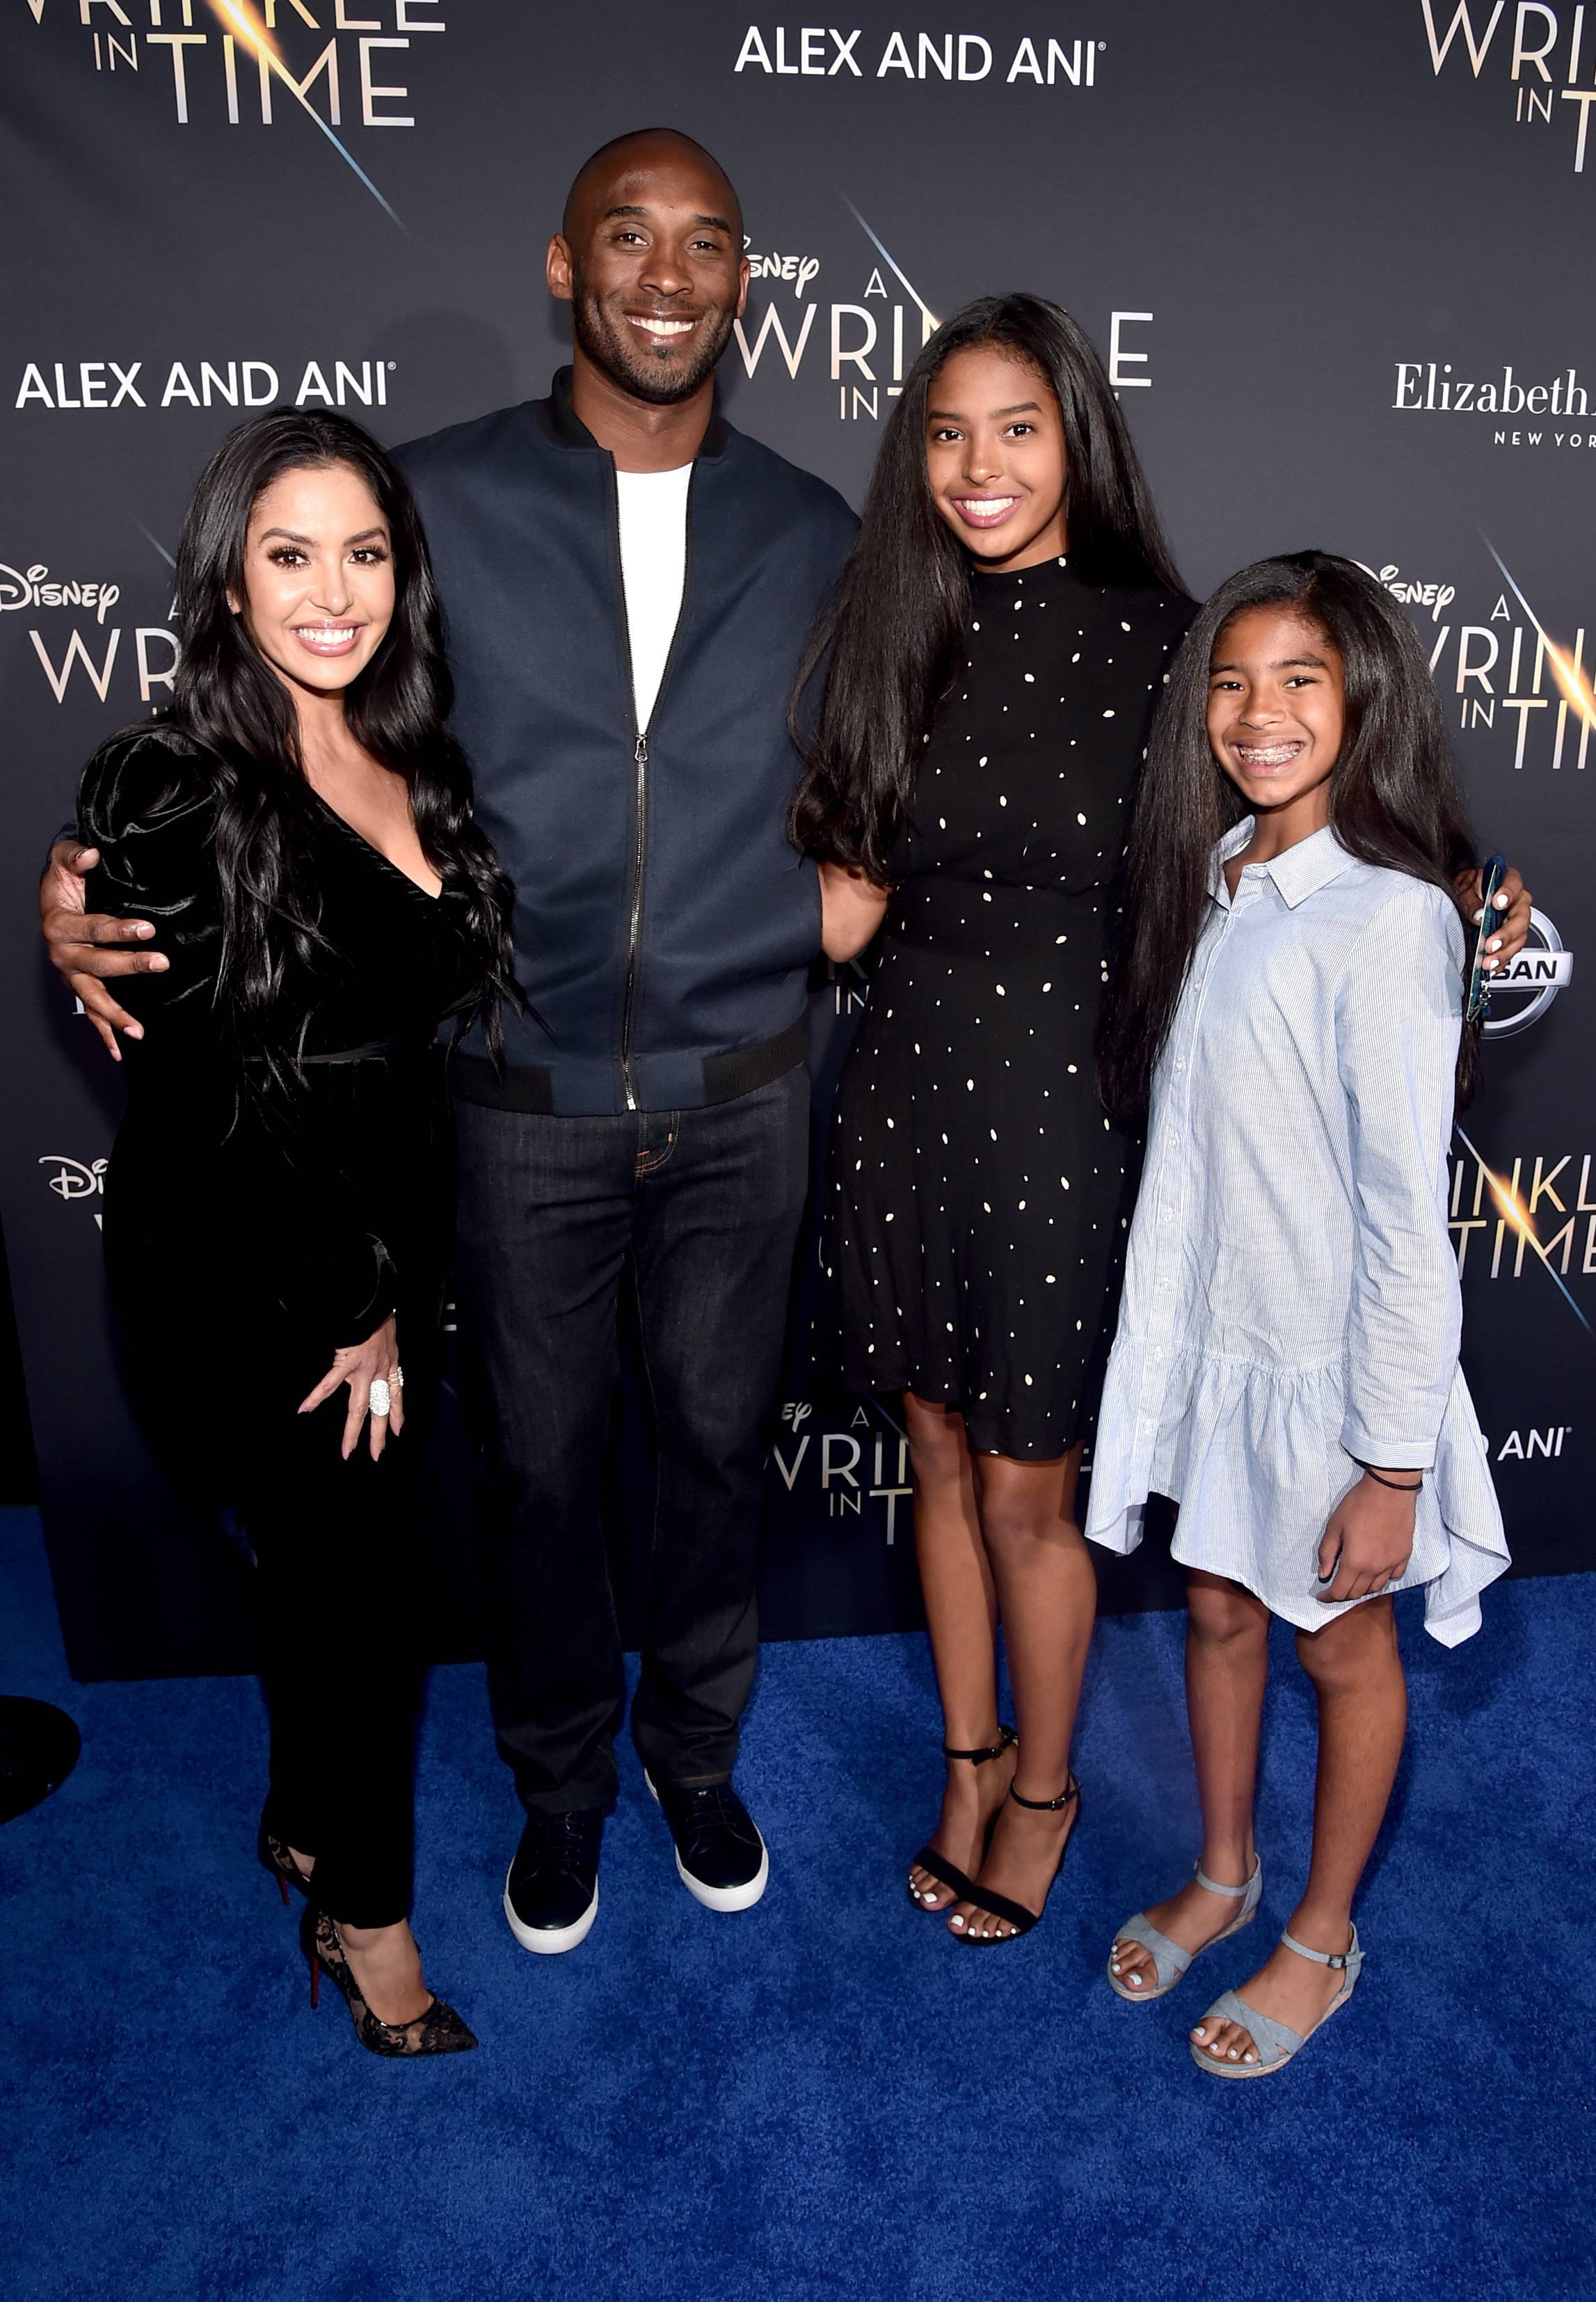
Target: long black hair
x,y
893,639
1393,795
228,700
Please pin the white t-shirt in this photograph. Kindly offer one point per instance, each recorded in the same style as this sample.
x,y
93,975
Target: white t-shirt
x,y
653,511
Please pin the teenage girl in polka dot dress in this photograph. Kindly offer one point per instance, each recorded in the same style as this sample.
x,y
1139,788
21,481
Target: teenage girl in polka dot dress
x,y
998,646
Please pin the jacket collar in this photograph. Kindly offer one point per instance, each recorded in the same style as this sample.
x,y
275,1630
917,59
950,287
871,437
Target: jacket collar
x,y
561,423
1299,873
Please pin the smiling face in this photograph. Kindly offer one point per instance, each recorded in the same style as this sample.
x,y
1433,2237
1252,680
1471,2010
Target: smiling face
x,y
318,576
650,261
1277,714
995,457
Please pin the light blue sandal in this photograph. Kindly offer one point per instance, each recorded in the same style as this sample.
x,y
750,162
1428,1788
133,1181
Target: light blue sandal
x,y
1170,1962
1276,2042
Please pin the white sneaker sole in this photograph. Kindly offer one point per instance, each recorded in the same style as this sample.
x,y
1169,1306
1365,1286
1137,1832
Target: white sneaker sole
x,y
720,1898
548,1941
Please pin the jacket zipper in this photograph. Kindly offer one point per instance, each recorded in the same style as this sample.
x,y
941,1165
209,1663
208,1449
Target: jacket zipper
x,y
640,776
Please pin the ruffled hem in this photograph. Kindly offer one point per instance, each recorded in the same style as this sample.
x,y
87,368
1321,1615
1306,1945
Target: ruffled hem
x,y
1036,1436
1253,1457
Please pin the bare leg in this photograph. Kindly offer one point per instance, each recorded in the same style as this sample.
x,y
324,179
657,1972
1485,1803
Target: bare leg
x,y
1356,1673
1047,1599
386,1965
384,1961
1227,1663
961,1612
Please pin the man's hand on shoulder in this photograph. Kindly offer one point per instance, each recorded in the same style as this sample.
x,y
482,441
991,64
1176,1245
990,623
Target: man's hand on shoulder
x,y
86,946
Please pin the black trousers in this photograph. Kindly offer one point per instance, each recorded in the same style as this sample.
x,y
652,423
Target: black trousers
x,y
340,1610
698,1211
204,1266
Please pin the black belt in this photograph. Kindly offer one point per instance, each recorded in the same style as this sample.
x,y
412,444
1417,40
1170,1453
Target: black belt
x,y
530,1087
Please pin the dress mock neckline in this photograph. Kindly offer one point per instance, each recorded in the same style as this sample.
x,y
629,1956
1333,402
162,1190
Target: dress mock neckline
x,y
1018,574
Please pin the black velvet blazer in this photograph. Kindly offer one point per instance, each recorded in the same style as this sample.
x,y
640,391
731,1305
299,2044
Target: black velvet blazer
x,y
311,1188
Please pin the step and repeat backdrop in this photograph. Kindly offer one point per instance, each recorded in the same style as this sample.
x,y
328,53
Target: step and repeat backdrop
x,y
1337,261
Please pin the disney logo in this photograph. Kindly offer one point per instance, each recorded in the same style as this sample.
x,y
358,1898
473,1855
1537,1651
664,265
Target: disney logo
x,y
1433,596
28,588
800,269
75,1179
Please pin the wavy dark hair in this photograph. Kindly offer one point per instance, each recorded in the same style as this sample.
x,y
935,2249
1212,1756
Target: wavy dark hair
x,y
892,640
1393,795
228,700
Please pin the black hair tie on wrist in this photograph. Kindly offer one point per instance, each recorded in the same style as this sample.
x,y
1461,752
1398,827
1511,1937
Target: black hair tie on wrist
x,y
1396,1485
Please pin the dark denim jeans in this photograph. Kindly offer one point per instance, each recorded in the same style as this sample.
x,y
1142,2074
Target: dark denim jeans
x,y
698,1211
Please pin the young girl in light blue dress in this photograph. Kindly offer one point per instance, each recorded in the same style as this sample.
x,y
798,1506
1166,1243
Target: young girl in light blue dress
x,y
1290,998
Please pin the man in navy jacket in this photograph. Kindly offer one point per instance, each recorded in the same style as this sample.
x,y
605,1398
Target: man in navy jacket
x,y
627,586
627,583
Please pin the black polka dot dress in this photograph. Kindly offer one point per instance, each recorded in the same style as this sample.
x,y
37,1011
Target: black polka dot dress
x,y
979,1199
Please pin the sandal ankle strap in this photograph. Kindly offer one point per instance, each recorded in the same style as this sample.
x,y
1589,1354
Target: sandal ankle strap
x,y
1236,1893
1351,1956
1047,1806
1006,1739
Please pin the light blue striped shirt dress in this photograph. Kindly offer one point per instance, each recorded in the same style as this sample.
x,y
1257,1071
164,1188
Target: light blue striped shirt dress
x,y
1291,1297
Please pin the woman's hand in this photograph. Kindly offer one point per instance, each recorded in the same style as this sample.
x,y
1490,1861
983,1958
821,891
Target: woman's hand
x,y
851,908
1369,1539
360,1366
1513,901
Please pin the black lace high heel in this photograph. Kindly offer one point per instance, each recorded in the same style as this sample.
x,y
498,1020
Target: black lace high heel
x,y
438,2031
275,1857
947,1873
1000,1906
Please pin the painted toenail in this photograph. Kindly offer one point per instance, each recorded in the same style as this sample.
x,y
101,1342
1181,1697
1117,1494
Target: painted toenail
x,y
1231,2055
1135,1980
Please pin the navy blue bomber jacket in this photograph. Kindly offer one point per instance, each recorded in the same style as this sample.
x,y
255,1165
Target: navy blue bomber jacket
x,y
664,925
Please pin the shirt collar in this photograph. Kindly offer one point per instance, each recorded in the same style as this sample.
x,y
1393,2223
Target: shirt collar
x,y
561,423
1299,873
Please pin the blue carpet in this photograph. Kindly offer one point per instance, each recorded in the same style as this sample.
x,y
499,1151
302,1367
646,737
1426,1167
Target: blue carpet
x,y
825,2097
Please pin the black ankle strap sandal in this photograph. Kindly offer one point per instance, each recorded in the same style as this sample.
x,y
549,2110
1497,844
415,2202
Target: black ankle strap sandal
x,y
1000,1906
937,1866
1006,1740
1047,1806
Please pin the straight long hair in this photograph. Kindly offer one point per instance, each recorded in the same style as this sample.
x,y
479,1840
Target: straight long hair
x,y
891,642
1393,797
228,700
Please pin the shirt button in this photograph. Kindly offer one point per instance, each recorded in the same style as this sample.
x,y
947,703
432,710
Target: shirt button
x,y
1158,1354
1180,1062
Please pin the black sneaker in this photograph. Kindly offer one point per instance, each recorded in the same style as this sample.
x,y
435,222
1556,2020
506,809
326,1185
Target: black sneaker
x,y
551,1896
721,1859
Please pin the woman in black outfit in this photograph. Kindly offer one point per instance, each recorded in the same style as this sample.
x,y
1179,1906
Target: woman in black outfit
x,y
999,641
298,829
